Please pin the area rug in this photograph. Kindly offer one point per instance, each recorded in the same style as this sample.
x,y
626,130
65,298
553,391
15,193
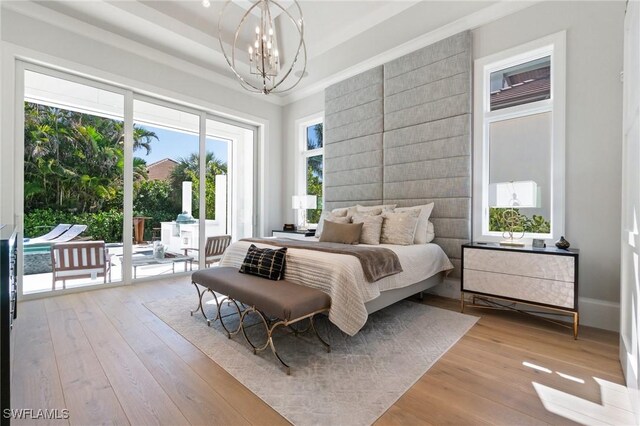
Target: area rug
x,y
354,384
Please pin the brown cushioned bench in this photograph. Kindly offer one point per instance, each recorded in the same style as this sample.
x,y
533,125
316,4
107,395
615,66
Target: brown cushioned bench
x,y
289,303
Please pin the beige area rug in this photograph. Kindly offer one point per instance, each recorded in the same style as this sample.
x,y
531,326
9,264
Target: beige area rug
x,y
353,385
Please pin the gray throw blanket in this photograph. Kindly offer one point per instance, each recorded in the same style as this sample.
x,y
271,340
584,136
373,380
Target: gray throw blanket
x,y
377,262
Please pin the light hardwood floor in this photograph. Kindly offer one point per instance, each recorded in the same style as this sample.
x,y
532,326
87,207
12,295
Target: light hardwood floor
x,y
105,357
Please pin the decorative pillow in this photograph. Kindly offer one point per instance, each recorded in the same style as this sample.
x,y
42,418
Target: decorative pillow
x,y
344,233
423,221
431,232
399,228
331,217
265,263
371,227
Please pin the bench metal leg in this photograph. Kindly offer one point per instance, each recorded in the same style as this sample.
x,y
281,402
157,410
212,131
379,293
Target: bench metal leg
x,y
200,306
220,316
271,330
315,330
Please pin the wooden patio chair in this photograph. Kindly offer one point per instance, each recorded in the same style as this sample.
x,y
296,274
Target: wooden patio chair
x,y
213,249
81,259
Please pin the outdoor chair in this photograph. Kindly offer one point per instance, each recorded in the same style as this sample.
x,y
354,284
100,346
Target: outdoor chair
x,y
54,233
214,248
72,233
82,259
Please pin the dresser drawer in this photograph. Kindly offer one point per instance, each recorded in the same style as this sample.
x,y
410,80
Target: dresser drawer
x,y
538,290
545,266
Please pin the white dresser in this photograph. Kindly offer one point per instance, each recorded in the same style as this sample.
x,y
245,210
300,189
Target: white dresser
x,y
545,277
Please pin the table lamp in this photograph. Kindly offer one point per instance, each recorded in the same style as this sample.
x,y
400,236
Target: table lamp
x,y
302,203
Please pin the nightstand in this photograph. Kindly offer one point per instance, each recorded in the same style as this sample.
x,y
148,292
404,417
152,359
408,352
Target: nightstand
x,y
542,277
295,235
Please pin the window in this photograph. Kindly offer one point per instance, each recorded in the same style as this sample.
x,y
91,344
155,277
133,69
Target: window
x,y
519,141
312,163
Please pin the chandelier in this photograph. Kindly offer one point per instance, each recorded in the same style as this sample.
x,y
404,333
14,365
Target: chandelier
x,y
266,72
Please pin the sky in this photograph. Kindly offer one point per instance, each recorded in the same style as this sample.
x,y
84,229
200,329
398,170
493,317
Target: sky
x,y
176,145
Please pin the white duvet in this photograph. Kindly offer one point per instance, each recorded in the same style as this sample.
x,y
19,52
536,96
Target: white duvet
x,y
341,276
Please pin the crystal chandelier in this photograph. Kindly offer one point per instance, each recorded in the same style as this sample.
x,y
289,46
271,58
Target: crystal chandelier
x,y
265,73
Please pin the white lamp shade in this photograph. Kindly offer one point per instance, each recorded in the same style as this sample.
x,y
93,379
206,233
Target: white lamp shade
x,y
304,202
520,194
295,202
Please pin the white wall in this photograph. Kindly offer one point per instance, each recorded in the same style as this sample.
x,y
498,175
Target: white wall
x,y
34,39
295,111
593,135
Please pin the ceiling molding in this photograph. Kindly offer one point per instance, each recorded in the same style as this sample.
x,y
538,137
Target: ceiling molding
x,y
68,23
360,25
204,45
469,22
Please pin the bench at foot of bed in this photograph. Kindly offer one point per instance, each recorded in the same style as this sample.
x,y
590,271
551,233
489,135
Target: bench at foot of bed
x,y
289,303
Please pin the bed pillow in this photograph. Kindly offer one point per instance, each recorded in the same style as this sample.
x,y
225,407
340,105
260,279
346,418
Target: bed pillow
x,y
265,263
340,212
423,221
431,232
331,217
344,233
379,209
371,228
399,227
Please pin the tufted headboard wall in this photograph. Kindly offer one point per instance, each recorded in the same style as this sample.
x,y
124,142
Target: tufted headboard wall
x,y
401,133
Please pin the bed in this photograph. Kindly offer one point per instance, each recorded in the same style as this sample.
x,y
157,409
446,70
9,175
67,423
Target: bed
x,y
341,276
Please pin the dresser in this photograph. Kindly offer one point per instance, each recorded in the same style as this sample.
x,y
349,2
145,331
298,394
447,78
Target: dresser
x,y
8,288
542,277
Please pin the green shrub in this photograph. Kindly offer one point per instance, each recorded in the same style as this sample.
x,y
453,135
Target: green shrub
x,y
106,225
535,224
152,198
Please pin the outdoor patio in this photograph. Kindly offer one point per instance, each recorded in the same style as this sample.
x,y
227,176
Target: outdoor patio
x,y
35,283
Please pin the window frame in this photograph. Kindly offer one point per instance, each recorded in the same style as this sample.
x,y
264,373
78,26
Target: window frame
x,y
553,46
303,154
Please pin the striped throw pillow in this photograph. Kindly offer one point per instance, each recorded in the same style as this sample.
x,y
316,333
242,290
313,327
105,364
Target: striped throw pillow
x,y
265,263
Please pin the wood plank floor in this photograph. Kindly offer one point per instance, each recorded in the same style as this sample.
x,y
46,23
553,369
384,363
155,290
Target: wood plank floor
x,y
108,360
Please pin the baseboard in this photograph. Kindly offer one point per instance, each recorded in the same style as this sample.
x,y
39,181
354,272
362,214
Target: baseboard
x,y
593,312
599,313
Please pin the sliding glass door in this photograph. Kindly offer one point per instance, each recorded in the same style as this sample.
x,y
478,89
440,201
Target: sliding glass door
x,y
165,189
131,186
73,183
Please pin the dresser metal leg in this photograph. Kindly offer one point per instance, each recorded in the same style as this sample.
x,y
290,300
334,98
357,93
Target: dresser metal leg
x,y
462,301
576,322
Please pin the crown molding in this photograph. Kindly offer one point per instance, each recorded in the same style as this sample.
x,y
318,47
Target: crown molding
x,y
469,22
76,26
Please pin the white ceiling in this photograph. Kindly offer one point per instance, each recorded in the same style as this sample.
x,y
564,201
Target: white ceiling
x,y
338,34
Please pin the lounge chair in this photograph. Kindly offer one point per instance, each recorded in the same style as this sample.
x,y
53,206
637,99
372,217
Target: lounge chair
x,y
54,233
73,232
82,259
213,249
70,234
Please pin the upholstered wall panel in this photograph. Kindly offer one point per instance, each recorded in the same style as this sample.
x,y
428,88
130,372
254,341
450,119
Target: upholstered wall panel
x,y
353,140
401,134
427,136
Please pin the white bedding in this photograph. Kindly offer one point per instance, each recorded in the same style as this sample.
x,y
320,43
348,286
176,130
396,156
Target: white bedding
x,y
341,276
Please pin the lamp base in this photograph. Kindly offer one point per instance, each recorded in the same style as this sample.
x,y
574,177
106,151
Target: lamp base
x,y
512,243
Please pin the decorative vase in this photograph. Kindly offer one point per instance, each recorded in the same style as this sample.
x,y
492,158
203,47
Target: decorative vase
x,y
562,243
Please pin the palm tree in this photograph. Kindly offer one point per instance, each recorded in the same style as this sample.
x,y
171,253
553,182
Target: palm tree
x,y
76,161
140,171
